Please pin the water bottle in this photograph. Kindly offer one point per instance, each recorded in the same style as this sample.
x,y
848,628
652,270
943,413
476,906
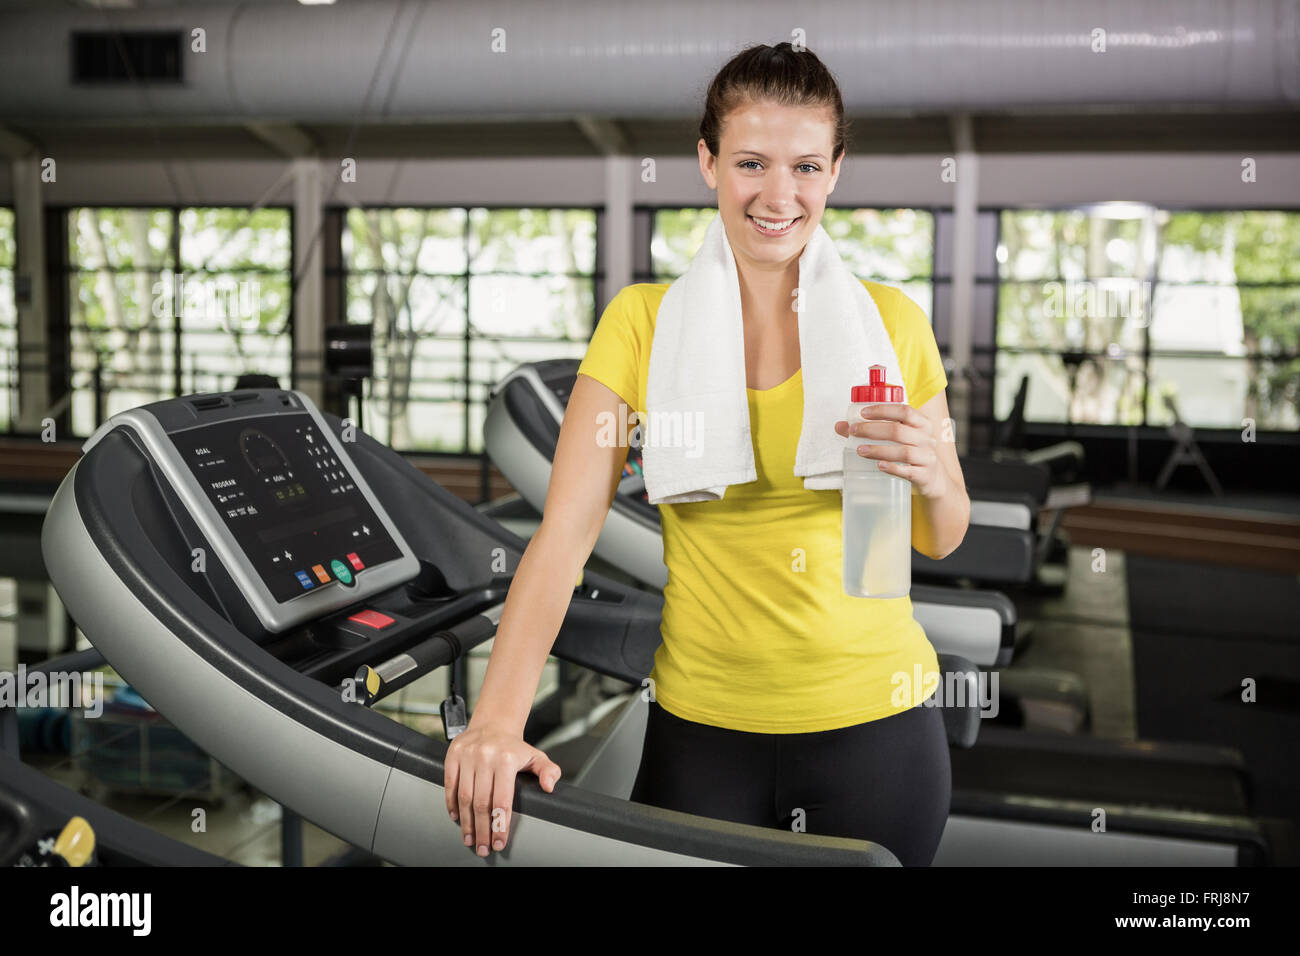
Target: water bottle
x,y
877,508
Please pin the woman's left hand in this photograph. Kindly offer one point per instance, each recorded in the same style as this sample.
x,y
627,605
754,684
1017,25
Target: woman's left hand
x,y
915,457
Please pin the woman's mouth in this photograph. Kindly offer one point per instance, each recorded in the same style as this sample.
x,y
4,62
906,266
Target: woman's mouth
x,y
773,227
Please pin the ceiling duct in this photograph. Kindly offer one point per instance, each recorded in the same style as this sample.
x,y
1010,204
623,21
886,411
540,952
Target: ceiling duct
x,y
407,62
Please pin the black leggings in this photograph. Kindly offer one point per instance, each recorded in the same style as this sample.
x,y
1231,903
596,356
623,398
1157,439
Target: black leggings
x,y
886,780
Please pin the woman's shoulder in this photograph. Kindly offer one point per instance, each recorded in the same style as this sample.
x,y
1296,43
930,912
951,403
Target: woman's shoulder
x,y
899,311
648,294
638,303
885,296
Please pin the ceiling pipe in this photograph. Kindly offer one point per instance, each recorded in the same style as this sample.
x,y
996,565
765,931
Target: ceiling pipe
x,y
467,59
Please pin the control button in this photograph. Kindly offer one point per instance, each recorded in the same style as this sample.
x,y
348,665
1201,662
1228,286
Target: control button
x,y
321,574
372,619
306,581
341,571
356,562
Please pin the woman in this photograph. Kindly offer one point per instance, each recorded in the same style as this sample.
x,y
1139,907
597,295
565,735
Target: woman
x,y
776,697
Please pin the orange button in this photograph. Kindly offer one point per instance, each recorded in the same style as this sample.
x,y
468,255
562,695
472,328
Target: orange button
x,y
321,573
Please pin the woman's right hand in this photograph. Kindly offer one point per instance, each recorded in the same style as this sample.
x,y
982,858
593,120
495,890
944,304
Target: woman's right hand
x,y
479,777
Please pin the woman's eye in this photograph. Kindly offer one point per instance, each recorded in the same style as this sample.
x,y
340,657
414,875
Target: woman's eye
x,y
809,166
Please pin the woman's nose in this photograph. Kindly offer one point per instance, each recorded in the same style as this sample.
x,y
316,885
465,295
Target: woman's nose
x,y
778,192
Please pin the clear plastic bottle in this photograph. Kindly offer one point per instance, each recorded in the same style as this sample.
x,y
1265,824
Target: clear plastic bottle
x,y
877,507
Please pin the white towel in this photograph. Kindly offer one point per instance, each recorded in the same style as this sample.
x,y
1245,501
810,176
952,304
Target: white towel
x,y
696,440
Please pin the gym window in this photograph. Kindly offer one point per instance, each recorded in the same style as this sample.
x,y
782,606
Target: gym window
x,y
456,298
1110,308
171,301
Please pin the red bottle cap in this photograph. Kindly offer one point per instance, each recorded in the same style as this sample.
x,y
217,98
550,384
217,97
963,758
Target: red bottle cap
x,y
877,391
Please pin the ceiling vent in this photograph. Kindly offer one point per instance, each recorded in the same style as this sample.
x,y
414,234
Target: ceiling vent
x,y
126,57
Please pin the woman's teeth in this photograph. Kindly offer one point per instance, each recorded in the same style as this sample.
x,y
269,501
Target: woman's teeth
x,y
773,226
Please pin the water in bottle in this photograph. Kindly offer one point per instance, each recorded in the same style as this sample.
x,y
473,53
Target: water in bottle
x,y
877,508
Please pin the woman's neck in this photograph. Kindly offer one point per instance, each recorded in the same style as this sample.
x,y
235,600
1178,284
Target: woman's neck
x,y
767,296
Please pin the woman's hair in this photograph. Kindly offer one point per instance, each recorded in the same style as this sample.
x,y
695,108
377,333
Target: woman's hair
x,y
772,73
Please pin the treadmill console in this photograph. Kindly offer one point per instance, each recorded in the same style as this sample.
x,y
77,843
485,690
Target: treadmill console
x,y
273,490
289,501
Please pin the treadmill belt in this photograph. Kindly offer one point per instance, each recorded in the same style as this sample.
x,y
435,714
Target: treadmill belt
x,y
1105,780
1188,597
1198,631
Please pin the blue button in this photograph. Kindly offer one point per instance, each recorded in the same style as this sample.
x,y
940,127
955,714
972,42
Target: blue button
x,y
306,581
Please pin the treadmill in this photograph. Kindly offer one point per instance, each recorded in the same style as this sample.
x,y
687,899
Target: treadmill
x,y
1029,490
1064,460
1019,797
263,574
1013,504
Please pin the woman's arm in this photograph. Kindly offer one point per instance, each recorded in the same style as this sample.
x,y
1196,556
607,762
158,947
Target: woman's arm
x,y
926,455
483,761
941,516
584,479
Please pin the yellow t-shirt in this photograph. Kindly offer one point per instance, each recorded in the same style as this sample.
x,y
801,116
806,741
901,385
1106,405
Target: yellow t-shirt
x,y
758,634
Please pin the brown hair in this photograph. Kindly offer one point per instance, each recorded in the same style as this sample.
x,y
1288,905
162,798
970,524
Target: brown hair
x,y
777,73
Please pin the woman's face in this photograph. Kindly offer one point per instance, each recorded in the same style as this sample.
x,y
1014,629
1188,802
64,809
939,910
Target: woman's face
x,y
774,164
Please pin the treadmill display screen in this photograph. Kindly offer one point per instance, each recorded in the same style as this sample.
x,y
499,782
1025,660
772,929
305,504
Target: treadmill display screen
x,y
290,503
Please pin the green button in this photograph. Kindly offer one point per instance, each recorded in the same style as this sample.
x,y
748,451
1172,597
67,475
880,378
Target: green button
x,y
341,571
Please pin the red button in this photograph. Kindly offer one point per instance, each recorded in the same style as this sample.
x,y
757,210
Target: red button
x,y
356,562
372,619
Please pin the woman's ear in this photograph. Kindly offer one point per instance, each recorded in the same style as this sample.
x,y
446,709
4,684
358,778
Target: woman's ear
x,y
707,164
835,173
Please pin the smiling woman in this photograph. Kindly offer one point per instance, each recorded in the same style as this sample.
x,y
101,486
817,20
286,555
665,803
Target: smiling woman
x,y
776,697
775,694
